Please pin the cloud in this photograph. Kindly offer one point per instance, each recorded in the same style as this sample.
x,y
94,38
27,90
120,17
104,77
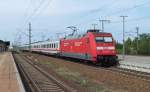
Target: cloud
x,y
61,13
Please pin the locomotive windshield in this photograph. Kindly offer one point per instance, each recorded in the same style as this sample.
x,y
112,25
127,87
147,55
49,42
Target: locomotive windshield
x,y
104,39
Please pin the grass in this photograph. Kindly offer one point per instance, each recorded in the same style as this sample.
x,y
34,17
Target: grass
x,y
75,77
79,79
47,63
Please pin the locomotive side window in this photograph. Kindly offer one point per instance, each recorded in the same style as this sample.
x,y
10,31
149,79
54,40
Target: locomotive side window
x,y
104,39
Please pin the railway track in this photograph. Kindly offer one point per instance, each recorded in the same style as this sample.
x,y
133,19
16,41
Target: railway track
x,y
123,71
127,72
39,80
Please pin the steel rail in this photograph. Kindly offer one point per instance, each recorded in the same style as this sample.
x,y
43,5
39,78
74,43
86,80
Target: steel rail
x,y
41,80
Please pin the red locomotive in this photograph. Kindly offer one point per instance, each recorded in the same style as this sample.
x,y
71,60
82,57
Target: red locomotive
x,y
95,46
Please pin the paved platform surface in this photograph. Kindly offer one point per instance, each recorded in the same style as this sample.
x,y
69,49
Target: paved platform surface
x,y
9,77
141,63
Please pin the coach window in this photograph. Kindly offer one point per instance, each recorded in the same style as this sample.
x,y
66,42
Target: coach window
x,y
50,45
53,45
56,45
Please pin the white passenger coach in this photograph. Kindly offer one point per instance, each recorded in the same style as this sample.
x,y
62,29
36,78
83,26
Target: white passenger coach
x,y
49,47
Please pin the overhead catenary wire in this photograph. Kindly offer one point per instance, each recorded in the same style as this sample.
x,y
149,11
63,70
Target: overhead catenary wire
x,y
44,7
36,11
134,19
100,9
124,10
129,9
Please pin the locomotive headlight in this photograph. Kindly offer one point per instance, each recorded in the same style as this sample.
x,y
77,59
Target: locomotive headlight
x,y
106,48
111,48
100,48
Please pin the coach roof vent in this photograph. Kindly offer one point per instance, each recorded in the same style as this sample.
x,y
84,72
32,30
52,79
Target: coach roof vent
x,y
93,30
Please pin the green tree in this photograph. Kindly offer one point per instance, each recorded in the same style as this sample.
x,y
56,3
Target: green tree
x,y
131,47
144,44
128,46
119,47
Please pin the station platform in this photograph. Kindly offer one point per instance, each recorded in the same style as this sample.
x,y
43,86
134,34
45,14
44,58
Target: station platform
x,y
139,63
10,80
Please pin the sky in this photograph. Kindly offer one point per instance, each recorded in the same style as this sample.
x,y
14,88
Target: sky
x,y
49,17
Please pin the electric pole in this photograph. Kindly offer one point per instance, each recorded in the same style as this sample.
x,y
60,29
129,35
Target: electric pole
x,y
123,53
137,31
102,23
29,36
94,25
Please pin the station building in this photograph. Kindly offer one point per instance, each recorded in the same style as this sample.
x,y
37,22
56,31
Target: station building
x,y
4,45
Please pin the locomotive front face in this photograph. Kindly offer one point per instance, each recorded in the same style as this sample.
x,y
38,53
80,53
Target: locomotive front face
x,y
105,45
105,49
